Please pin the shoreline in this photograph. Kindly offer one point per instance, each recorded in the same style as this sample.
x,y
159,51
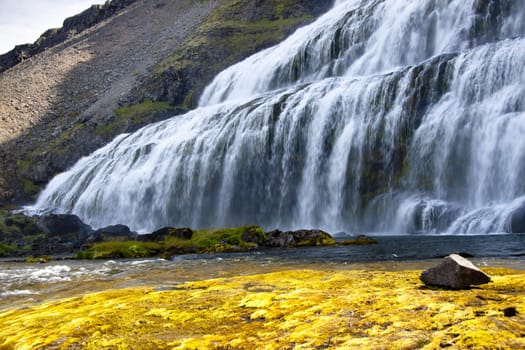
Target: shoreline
x,y
338,308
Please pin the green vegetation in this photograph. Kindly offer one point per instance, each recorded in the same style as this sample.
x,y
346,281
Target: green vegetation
x,y
231,33
359,240
128,249
217,240
128,117
6,250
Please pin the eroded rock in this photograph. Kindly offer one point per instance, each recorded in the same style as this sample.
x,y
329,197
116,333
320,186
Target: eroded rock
x,y
454,272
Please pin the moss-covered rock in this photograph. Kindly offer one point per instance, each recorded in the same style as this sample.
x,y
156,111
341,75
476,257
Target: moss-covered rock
x,y
298,309
120,250
359,240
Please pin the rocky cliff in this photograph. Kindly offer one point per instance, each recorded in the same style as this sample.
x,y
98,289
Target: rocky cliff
x,y
117,67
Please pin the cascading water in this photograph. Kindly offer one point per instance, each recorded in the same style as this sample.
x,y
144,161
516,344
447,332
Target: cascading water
x,y
383,115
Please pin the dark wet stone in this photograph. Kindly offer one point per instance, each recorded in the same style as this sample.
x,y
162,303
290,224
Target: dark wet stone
x,y
454,272
159,235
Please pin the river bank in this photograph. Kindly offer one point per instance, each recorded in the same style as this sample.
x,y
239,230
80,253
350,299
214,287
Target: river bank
x,y
266,303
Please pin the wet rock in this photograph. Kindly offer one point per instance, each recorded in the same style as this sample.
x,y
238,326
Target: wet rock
x,y
510,311
454,272
359,240
159,235
299,238
277,238
64,225
516,221
254,234
118,233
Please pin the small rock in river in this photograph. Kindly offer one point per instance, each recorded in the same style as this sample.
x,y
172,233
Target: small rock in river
x,y
454,272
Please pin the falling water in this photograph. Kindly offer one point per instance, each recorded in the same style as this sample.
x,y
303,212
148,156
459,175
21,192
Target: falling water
x,y
383,115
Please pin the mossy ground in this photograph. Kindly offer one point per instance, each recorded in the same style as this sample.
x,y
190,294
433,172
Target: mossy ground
x,y
215,240
298,309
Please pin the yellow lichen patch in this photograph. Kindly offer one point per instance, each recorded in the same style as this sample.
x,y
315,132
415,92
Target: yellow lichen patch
x,y
299,309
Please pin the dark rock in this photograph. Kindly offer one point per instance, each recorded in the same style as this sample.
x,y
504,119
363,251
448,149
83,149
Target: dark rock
x,y
516,221
454,272
254,234
359,240
159,235
300,238
64,225
277,238
510,311
312,238
118,233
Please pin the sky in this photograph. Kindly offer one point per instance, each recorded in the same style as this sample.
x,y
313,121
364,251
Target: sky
x,y
22,21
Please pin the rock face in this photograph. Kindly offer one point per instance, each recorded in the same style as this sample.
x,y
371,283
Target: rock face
x,y
454,272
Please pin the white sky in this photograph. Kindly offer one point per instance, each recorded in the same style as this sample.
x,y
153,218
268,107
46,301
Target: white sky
x,y
22,21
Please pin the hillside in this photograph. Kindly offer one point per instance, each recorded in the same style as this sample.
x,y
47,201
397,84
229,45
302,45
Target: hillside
x,y
138,62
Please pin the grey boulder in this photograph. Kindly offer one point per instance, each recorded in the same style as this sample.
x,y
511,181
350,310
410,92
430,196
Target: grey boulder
x,y
454,272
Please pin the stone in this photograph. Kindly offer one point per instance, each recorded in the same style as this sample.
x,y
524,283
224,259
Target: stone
x,y
299,238
112,233
516,221
279,239
63,225
254,234
454,272
359,240
159,235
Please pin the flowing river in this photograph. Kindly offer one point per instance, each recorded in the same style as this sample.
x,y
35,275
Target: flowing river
x,y
23,284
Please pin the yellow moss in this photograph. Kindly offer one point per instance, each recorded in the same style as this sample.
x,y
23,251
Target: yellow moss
x,y
300,309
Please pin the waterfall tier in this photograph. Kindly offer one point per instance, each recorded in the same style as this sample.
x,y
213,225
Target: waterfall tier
x,y
381,116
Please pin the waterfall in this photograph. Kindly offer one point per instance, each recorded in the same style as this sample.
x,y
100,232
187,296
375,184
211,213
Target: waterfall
x,y
401,116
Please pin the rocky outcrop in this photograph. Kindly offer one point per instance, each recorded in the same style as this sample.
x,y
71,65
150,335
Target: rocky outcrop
x,y
118,233
516,221
72,26
300,238
454,272
167,232
359,240
86,87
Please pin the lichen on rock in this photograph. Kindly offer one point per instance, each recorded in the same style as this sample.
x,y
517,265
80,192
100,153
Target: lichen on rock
x,y
299,309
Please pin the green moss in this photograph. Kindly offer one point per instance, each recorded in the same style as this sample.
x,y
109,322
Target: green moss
x,y
127,249
359,240
6,250
127,117
216,240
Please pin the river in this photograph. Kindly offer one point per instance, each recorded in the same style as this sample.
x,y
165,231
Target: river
x,y
23,284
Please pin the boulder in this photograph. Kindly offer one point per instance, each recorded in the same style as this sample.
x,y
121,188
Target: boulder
x,y
454,272
254,234
299,238
117,233
159,235
64,225
359,240
516,221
